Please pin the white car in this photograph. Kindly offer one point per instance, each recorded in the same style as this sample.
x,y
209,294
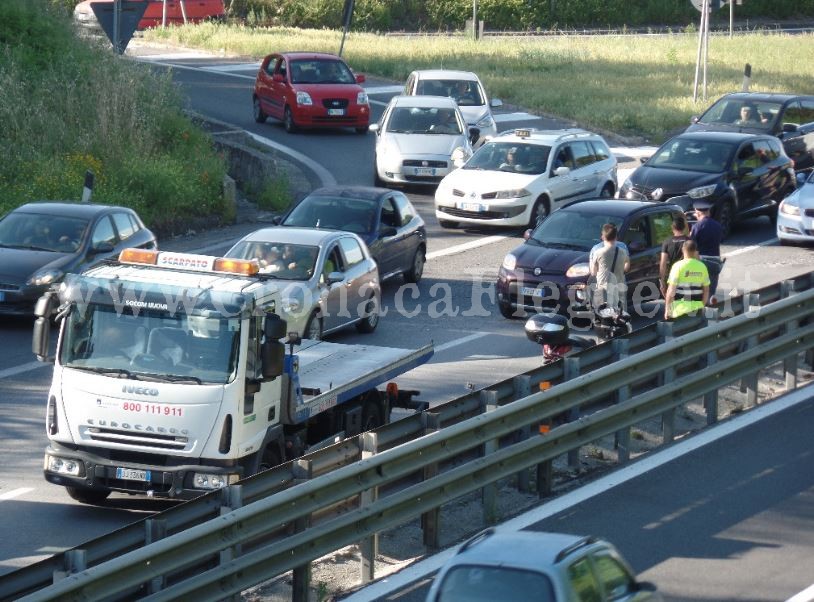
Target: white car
x,y
419,140
519,177
465,88
795,216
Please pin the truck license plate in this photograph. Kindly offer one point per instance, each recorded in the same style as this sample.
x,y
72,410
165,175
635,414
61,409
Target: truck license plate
x,y
336,111
129,474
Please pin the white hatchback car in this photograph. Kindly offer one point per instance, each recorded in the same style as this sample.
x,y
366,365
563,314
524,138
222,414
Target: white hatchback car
x,y
519,177
465,88
419,140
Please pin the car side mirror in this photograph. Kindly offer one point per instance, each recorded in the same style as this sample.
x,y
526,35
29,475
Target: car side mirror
x,y
373,127
800,178
385,231
742,170
101,248
790,127
643,160
562,170
278,77
694,119
495,103
360,78
334,277
527,234
277,220
646,586
474,134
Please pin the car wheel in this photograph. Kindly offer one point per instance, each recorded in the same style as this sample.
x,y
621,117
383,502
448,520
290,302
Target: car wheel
x,y
288,121
259,114
506,310
539,212
87,496
607,191
313,328
417,268
371,321
271,457
725,218
447,224
377,181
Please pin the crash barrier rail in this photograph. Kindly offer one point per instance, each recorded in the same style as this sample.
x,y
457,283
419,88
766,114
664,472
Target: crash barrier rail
x,y
285,517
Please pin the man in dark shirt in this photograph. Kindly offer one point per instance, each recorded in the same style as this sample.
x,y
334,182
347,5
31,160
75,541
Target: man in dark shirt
x,y
671,250
707,234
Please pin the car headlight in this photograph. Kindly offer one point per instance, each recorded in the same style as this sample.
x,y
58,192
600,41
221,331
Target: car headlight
x,y
578,270
509,262
44,277
486,122
786,208
460,156
701,191
304,98
292,306
517,193
361,98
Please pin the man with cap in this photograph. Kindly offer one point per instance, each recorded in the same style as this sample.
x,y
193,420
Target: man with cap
x,y
707,234
687,285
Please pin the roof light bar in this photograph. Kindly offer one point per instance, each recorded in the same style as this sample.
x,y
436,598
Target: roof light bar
x,y
247,267
138,256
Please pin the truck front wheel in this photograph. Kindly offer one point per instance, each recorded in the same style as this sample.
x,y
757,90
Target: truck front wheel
x,y
88,496
371,414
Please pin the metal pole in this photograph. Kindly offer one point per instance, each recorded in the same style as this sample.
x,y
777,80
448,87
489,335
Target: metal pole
x,y
164,14
698,55
117,11
706,45
184,10
474,19
731,16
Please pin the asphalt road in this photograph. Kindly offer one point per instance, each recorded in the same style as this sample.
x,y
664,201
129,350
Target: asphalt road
x,y
475,346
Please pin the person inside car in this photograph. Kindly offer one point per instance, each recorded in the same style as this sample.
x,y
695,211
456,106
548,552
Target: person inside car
x,y
463,93
748,116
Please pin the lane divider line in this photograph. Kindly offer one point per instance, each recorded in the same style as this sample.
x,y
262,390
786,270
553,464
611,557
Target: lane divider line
x,y
9,495
461,341
21,368
473,244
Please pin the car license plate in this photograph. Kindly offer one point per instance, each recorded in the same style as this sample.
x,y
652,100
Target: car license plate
x,y
527,291
130,474
336,111
425,171
477,207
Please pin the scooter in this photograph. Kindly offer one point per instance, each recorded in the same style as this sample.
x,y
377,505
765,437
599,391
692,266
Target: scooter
x,y
551,331
609,322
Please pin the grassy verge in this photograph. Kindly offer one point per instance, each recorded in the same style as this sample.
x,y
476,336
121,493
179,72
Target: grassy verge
x,y
633,86
67,107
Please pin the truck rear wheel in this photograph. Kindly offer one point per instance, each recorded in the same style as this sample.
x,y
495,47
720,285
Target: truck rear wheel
x,y
371,414
88,496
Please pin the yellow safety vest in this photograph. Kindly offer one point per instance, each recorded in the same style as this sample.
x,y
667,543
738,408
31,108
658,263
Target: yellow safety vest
x,y
689,276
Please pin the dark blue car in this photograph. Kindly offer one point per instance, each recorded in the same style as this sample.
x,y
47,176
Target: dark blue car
x,y
385,219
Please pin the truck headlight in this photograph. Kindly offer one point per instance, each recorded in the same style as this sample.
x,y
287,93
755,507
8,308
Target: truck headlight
x,y
68,466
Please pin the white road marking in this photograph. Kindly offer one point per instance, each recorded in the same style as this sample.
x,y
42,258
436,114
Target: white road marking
x,y
743,250
473,244
384,89
461,341
325,176
509,117
10,495
234,67
21,368
807,595
422,569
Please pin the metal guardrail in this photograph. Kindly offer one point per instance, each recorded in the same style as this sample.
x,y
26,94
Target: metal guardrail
x,y
274,522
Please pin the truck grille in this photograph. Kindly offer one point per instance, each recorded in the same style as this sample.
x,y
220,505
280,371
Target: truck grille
x,y
151,440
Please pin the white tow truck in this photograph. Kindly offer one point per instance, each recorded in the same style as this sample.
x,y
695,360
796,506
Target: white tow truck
x,y
172,377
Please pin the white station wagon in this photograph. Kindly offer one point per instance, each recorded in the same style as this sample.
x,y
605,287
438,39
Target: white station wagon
x,y
519,177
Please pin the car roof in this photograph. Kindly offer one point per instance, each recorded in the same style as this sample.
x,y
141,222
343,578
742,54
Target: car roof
x,y
294,236
441,102
547,137
617,207
523,549
367,193
67,208
767,96
713,136
446,74
310,55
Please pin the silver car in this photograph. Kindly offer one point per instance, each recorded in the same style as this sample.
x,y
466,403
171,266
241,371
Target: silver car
x,y
506,566
420,139
465,88
328,278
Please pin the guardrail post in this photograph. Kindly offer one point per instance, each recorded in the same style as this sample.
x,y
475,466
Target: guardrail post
x,y
621,349
369,546
431,520
522,388
570,370
489,492
713,316
155,529
789,363
668,418
749,384
301,575
74,561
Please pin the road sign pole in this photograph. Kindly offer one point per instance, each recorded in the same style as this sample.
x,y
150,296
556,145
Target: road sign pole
x,y
698,57
706,46
117,12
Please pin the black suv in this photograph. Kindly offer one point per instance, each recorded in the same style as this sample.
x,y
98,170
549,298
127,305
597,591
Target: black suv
x,y
743,175
790,117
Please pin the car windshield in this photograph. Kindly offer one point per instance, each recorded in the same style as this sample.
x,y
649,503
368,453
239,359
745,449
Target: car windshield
x,y
475,583
760,114
465,92
423,120
334,213
285,261
42,232
321,71
510,157
147,345
572,228
689,154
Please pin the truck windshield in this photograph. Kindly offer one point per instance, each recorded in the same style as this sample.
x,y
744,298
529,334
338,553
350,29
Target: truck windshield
x,y
150,345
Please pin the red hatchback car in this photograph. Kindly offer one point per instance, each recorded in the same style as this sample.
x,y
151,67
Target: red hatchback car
x,y
310,90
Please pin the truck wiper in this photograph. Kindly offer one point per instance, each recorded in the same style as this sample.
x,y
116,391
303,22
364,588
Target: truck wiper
x,y
173,378
120,372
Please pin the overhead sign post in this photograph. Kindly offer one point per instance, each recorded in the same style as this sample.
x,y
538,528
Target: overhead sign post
x,y
347,17
119,21
706,7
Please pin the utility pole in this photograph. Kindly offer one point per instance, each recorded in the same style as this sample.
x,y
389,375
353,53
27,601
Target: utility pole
x,y
474,19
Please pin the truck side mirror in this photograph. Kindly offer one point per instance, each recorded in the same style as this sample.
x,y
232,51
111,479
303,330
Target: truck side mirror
x,y
273,351
41,337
